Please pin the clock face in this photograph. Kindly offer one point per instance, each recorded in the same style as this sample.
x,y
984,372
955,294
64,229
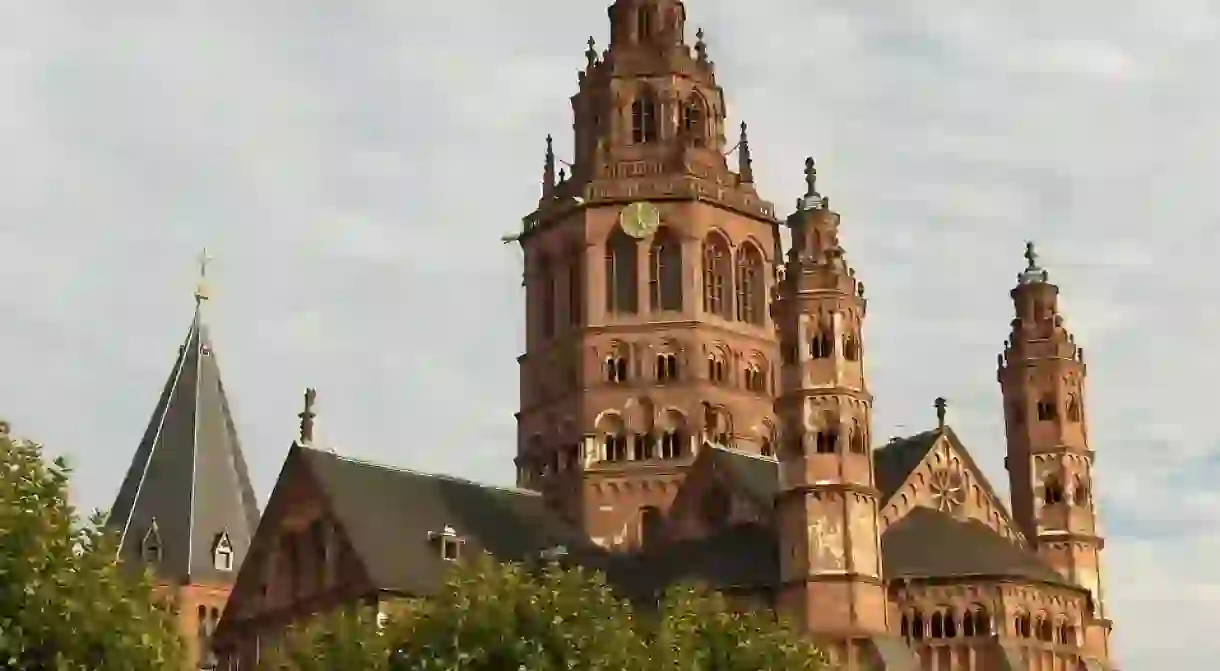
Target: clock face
x,y
640,220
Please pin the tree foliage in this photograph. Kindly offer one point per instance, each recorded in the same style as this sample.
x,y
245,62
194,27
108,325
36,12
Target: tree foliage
x,y
65,605
498,617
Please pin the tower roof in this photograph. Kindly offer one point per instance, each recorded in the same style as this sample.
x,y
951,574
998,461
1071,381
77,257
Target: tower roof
x,y
187,489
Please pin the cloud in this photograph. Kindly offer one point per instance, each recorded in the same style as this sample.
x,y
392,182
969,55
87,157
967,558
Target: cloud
x,y
352,166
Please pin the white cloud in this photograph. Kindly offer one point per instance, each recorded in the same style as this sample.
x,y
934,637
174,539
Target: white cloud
x,y
352,165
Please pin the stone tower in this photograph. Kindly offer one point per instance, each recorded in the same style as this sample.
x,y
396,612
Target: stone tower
x,y
1050,465
647,271
186,508
830,553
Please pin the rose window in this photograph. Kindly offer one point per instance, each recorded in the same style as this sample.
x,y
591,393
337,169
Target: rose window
x,y
948,490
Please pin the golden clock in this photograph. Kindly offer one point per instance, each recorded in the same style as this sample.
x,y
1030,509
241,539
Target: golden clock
x,y
640,220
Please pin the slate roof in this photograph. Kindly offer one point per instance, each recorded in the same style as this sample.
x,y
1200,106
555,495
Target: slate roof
x,y
759,476
930,544
188,473
389,512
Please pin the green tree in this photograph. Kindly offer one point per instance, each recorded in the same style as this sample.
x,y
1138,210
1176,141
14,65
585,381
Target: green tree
x,y
65,604
497,617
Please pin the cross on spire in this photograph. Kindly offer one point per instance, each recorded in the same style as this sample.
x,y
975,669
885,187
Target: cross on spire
x,y
201,289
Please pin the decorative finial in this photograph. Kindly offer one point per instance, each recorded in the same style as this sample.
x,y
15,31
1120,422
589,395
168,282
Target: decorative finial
x,y
745,166
812,200
201,288
307,416
941,404
1032,273
591,52
700,46
563,175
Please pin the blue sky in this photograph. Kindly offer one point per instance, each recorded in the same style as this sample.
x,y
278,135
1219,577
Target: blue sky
x,y
352,165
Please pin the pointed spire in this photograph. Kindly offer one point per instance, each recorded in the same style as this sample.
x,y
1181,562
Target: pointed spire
x,y
745,166
307,416
188,471
941,406
1032,273
548,169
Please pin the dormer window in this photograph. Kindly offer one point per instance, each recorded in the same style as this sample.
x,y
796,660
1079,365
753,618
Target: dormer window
x,y
222,553
150,546
448,542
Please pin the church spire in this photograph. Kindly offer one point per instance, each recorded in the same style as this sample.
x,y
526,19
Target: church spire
x,y
186,506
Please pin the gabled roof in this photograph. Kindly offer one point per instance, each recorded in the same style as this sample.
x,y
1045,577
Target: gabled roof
x,y
188,477
929,544
758,476
389,513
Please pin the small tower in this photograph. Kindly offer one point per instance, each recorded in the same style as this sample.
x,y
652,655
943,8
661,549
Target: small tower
x,y
1050,466
186,509
827,506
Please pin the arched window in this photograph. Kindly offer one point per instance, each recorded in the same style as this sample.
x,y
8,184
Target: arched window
x,y
982,621
1080,494
1023,626
1073,408
1044,629
1052,491
968,624
1067,634
642,447
644,118
716,276
715,368
766,449
651,527
751,289
665,272
546,297
1047,408
667,367
755,379
671,444
857,440
828,439
823,344
851,347
694,116
643,24
616,368
622,290
616,447
905,630
950,624
917,625
938,625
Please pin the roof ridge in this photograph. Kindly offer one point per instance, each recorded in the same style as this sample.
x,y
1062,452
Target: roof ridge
x,y
411,471
729,450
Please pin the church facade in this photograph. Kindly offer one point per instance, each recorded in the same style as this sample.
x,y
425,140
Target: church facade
x,y
695,406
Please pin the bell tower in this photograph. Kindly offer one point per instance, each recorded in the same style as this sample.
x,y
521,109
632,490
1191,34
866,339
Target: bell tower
x,y
1049,462
648,263
830,568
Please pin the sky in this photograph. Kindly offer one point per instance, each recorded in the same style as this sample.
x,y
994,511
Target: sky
x,y
352,165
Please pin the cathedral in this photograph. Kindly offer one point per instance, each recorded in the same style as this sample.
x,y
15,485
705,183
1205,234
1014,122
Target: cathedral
x,y
694,406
